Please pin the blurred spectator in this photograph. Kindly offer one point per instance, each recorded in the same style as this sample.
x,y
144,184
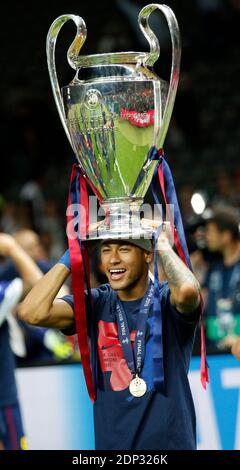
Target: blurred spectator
x,y
40,343
223,279
11,427
31,244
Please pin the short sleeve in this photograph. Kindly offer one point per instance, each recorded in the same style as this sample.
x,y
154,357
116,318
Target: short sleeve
x,y
189,319
72,330
97,295
69,299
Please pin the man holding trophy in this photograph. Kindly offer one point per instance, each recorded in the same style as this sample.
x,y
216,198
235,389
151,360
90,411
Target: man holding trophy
x,y
135,333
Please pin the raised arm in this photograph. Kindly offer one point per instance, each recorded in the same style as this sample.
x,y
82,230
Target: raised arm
x,y
27,268
40,307
184,287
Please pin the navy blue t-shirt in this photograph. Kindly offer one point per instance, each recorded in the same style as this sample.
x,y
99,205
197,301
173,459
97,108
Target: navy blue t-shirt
x,y
8,390
155,421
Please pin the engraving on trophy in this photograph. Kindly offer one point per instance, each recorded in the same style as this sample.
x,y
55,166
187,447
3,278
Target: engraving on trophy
x,y
93,98
92,124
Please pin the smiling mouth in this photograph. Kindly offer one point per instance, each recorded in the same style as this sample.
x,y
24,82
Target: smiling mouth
x,y
116,274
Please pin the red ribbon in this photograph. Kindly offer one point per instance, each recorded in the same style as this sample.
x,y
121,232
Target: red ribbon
x,y
77,269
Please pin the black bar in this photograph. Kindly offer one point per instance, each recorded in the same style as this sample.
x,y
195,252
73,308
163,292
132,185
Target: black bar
x,y
101,459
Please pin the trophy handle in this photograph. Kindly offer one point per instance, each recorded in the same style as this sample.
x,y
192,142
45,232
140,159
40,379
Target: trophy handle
x,y
72,55
155,53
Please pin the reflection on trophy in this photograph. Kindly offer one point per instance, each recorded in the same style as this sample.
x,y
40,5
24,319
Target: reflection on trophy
x,y
114,112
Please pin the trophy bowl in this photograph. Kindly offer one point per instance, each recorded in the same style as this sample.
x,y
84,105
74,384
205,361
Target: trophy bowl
x,y
114,111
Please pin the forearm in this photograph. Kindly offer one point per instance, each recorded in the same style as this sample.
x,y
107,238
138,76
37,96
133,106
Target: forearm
x,y
37,304
185,289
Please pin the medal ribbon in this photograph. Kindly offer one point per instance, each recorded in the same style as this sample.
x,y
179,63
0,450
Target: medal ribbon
x,y
158,365
134,360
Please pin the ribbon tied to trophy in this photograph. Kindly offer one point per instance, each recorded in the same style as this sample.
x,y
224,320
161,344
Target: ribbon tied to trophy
x,y
116,113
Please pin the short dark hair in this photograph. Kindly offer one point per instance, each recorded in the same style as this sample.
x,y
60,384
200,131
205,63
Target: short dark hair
x,y
226,220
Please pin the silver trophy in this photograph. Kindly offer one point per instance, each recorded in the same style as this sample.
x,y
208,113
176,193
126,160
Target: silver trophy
x,y
114,111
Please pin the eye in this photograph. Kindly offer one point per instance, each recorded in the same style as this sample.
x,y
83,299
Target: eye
x,y
105,250
124,248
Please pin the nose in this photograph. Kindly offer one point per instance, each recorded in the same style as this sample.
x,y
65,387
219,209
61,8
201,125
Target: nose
x,y
114,257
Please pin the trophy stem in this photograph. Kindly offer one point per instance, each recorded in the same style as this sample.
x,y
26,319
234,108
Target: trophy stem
x,y
122,219
122,216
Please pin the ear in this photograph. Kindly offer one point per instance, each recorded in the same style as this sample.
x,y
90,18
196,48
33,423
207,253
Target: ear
x,y
148,256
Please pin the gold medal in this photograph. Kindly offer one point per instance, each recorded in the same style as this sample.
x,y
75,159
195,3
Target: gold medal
x,y
137,387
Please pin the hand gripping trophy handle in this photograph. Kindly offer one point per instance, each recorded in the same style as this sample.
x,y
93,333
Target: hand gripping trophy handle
x,y
73,52
155,53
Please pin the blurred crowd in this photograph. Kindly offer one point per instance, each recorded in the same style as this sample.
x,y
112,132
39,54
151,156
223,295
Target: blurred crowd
x,y
214,243
213,239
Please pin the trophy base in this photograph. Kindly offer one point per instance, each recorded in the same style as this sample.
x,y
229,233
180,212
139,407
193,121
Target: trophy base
x,y
122,221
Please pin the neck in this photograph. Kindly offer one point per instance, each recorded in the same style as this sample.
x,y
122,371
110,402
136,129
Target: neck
x,y
231,253
135,291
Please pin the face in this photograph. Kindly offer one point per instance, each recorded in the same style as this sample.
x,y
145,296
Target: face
x,y
124,264
30,242
214,237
